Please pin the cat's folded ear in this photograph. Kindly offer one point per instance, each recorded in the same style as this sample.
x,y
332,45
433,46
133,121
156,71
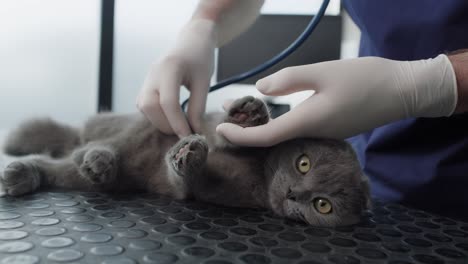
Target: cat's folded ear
x,y
365,187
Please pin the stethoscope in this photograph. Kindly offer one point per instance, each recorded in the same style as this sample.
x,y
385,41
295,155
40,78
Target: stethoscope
x,y
279,57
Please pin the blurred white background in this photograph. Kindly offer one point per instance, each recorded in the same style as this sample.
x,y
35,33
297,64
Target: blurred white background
x,y
49,53
48,59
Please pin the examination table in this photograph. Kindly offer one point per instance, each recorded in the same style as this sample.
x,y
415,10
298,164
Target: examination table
x,y
85,227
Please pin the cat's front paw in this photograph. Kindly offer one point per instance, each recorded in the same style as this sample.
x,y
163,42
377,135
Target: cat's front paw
x,y
248,111
97,164
188,155
20,178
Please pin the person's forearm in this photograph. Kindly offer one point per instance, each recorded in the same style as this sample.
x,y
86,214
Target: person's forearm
x,y
232,17
213,10
459,62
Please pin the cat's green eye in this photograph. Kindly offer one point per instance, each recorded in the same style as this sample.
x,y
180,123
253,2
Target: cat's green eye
x,y
322,205
303,164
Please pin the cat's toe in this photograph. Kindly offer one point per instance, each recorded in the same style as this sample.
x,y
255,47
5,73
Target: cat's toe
x,y
20,178
99,166
248,111
188,155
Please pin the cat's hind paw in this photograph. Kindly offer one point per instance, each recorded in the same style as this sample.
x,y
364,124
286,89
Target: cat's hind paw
x,y
20,178
248,111
96,164
188,155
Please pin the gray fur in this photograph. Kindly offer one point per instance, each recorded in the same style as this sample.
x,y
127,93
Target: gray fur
x,y
43,136
126,153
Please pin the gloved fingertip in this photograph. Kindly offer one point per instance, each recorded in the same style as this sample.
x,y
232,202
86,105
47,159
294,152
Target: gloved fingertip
x,y
182,135
227,104
220,129
225,129
263,85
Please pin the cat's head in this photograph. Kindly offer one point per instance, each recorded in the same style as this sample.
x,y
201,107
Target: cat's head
x,y
318,181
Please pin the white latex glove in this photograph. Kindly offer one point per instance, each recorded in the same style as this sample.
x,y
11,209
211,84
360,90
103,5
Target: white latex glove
x,y
352,96
190,63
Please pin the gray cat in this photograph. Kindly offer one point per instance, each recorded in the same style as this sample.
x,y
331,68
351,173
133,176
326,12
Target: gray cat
x,y
318,181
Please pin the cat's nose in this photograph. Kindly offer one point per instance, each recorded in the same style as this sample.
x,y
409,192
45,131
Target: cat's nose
x,y
291,195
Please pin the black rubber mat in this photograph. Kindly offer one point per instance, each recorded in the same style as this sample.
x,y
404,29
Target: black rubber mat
x,y
58,227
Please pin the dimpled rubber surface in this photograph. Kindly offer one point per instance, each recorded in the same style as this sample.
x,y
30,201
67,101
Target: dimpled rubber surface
x,y
75,227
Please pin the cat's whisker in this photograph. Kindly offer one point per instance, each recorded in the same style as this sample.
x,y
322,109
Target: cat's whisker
x,y
267,162
302,217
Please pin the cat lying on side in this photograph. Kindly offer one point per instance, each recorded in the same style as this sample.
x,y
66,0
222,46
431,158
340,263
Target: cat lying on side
x,y
318,181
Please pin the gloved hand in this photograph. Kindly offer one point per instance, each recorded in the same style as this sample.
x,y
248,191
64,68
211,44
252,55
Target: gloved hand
x,y
352,96
190,63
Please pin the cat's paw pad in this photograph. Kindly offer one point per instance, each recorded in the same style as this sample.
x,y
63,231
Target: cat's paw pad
x,y
188,155
98,165
248,111
20,178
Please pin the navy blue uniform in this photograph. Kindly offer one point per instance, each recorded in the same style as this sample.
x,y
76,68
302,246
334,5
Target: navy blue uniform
x,y
420,162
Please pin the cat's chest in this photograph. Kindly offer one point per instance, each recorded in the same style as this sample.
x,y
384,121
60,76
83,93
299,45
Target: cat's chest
x,y
232,166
